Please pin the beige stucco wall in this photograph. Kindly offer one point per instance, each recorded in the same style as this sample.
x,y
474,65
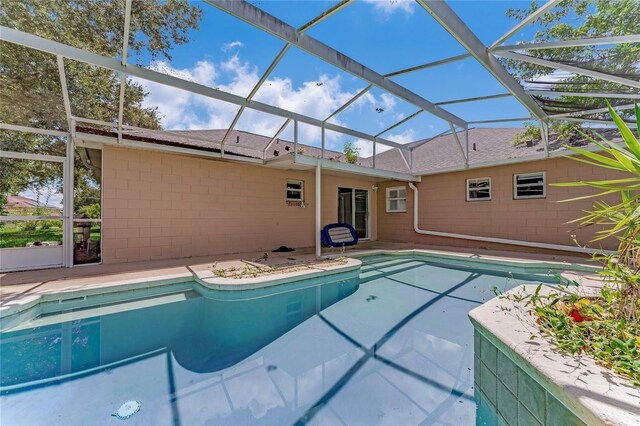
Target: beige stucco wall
x,y
443,207
160,205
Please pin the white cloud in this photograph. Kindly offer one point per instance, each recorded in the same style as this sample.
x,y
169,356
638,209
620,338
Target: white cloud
x,y
184,110
365,147
234,44
405,137
180,109
388,7
311,99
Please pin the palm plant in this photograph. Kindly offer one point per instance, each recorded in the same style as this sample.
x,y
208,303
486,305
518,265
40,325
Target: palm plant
x,y
620,220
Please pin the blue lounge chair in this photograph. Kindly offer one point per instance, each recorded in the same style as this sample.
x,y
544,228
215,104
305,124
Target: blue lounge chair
x,y
338,235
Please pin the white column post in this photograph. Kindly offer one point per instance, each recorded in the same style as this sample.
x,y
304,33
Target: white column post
x,y
318,208
374,153
67,204
466,143
295,140
544,131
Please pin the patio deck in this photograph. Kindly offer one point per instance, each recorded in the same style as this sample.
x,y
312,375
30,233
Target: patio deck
x,y
18,285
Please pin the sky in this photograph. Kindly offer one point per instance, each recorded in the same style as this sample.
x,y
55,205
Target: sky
x,y
385,35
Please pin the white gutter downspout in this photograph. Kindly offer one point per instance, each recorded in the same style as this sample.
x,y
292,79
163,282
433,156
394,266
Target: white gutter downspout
x,y
490,239
318,209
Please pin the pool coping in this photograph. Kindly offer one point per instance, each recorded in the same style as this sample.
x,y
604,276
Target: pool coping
x,y
203,274
198,278
582,385
520,265
22,308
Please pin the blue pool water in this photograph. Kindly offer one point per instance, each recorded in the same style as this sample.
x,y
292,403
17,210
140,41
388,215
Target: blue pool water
x,y
393,346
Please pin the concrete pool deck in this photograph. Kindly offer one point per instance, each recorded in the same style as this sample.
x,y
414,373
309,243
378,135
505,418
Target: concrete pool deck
x,y
27,284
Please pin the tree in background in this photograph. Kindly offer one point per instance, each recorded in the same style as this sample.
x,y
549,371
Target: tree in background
x,y
31,94
578,19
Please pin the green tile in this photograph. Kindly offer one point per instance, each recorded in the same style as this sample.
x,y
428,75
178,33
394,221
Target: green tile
x,y
476,369
532,395
507,404
525,418
507,372
476,342
558,414
488,383
503,422
485,412
489,354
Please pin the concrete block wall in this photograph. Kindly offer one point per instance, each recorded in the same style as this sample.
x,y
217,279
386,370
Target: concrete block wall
x,y
162,205
443,207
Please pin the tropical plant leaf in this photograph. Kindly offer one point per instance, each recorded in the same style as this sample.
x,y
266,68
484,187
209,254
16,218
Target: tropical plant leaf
x,y
625,161
585,197
626,133
593,163
599,159
602,182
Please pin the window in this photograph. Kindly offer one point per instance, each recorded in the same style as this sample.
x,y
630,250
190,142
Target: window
x,y
396,199
295,190
529,185
479,189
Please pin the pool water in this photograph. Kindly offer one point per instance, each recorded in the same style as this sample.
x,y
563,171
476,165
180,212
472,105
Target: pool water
x,y
393,346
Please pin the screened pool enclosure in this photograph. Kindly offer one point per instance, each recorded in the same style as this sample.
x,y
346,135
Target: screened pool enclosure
x,y
58,130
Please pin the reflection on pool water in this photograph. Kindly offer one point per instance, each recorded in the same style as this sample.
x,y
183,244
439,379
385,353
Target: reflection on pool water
x,y
393,346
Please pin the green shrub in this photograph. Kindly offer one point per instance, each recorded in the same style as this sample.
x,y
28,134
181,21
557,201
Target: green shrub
x,y
568,131
351,153
90,211
30,225
531,133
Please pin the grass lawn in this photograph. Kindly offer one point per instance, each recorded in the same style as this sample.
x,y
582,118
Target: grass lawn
x,y
12,235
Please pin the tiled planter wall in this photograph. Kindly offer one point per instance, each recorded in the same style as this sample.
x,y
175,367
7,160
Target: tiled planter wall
x,y
507,395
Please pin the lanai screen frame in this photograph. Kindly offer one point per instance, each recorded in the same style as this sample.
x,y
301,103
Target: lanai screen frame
x,y
438,9
487,56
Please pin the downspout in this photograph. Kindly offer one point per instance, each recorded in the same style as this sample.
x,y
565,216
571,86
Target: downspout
x,y
491,239
318,208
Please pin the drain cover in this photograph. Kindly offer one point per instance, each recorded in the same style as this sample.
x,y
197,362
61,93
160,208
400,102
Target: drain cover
x,y
127,410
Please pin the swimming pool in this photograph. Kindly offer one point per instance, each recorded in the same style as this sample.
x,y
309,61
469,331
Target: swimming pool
x,y
393,346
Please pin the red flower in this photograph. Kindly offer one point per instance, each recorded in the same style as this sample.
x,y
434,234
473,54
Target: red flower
x,y
576,316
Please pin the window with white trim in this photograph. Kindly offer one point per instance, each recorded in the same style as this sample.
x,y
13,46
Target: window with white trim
x,y
479,189
295,190
529,185
397,199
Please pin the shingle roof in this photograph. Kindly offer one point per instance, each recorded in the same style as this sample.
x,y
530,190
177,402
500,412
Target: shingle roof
x,y
19,201
238,142
486,145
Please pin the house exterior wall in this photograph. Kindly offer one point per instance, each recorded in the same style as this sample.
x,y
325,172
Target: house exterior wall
x,y
162,205
443,207
330,185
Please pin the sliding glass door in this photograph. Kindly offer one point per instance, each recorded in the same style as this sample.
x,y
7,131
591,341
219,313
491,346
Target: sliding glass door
x,y
353,208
